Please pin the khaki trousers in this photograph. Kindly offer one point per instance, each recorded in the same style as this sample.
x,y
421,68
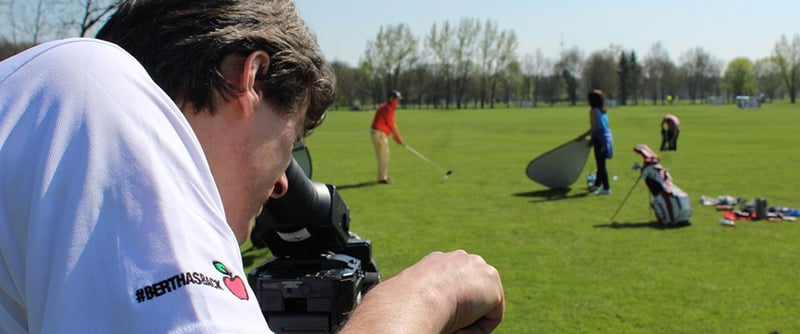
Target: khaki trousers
x,y
381,143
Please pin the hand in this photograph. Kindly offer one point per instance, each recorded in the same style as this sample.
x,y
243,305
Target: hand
x,y
398,140
453,292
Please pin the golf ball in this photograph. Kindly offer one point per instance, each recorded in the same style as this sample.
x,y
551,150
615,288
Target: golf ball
x,y
614,178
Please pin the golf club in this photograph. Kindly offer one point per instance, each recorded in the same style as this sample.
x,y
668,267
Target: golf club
x,y
419,155
625,199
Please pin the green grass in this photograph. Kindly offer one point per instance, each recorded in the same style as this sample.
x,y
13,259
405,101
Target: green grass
x,y
565,268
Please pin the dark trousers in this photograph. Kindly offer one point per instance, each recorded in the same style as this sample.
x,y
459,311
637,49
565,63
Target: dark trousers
x,y
600,157
669,140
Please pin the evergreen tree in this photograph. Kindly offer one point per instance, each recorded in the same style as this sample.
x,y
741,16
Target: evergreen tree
x,y
623,70
634,77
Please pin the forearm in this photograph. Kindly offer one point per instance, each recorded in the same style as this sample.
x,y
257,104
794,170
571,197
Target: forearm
x,y
396,134
383,310
442,293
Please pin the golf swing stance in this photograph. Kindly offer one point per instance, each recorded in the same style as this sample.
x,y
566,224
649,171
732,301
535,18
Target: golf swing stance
x,y
384,125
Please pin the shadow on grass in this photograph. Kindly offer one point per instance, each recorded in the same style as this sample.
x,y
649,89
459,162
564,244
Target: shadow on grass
x,y
357,185
551,195
650,224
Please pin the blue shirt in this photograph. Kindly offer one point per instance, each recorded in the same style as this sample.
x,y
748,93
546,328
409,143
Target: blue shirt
x,y
602,132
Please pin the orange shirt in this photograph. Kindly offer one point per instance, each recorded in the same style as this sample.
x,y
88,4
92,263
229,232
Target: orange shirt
x,y
384,118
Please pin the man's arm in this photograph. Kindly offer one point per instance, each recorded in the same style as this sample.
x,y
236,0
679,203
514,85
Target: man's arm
x,y
396,134
453,292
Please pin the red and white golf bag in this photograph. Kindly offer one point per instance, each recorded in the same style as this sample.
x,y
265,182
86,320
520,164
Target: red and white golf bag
x,y
671,204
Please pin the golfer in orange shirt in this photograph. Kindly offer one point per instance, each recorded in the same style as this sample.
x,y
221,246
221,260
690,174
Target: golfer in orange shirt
x,y
384,125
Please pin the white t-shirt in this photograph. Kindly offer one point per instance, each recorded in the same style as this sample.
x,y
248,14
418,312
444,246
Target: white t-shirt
x,y
110,221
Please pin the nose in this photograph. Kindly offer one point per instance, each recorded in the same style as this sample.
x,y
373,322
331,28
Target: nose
x,y
281,187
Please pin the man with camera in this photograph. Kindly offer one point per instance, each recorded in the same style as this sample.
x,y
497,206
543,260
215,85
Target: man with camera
x,y
130,173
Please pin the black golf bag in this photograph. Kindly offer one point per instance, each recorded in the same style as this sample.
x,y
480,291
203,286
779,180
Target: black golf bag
x,y
670,204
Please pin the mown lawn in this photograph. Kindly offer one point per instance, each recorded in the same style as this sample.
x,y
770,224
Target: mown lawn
x,y
566,267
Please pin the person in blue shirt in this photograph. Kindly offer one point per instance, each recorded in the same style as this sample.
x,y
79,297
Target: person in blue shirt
x,y
601,140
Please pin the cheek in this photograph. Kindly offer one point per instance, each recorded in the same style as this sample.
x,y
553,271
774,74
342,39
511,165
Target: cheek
x,y
276,135
274,159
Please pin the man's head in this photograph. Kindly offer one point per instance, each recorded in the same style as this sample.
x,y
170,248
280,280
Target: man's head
x,y
248,76
182,43
394,97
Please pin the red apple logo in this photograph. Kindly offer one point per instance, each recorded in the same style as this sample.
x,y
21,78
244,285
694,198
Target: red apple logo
x,y
235,284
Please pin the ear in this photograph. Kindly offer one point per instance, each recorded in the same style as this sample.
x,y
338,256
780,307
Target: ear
x,y
254,66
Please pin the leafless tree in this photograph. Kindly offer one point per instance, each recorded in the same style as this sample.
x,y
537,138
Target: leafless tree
x,y
600,71
553,86
505,64
34,21
350,86
391,53
440,43
534,67
540,67
28,21
787,55
464,56
659,71
91,14
768,77
569,66
486,56
701,73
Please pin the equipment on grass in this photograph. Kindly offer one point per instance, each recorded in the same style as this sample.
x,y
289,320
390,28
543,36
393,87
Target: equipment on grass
x,y
670,204
560,167
749,102
419,155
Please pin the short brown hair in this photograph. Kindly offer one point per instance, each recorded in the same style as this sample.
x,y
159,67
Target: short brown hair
x,y
181,43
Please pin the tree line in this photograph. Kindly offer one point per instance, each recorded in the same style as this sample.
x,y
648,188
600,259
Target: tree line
x,y
472,63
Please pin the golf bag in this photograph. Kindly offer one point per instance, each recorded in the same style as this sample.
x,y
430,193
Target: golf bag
x,y
670,204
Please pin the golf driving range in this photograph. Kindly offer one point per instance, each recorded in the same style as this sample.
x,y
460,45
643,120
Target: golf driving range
x,y
566,267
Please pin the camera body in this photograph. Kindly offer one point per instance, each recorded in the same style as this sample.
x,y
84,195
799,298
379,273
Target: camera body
x,y
308,295
319,269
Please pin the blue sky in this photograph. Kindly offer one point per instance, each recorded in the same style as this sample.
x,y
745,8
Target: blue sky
x,y
725,28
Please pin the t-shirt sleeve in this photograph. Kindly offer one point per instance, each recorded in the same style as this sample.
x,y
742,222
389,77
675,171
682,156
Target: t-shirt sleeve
x,y
110,217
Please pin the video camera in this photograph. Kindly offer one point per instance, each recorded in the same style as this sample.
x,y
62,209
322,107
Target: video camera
x,y
320,269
